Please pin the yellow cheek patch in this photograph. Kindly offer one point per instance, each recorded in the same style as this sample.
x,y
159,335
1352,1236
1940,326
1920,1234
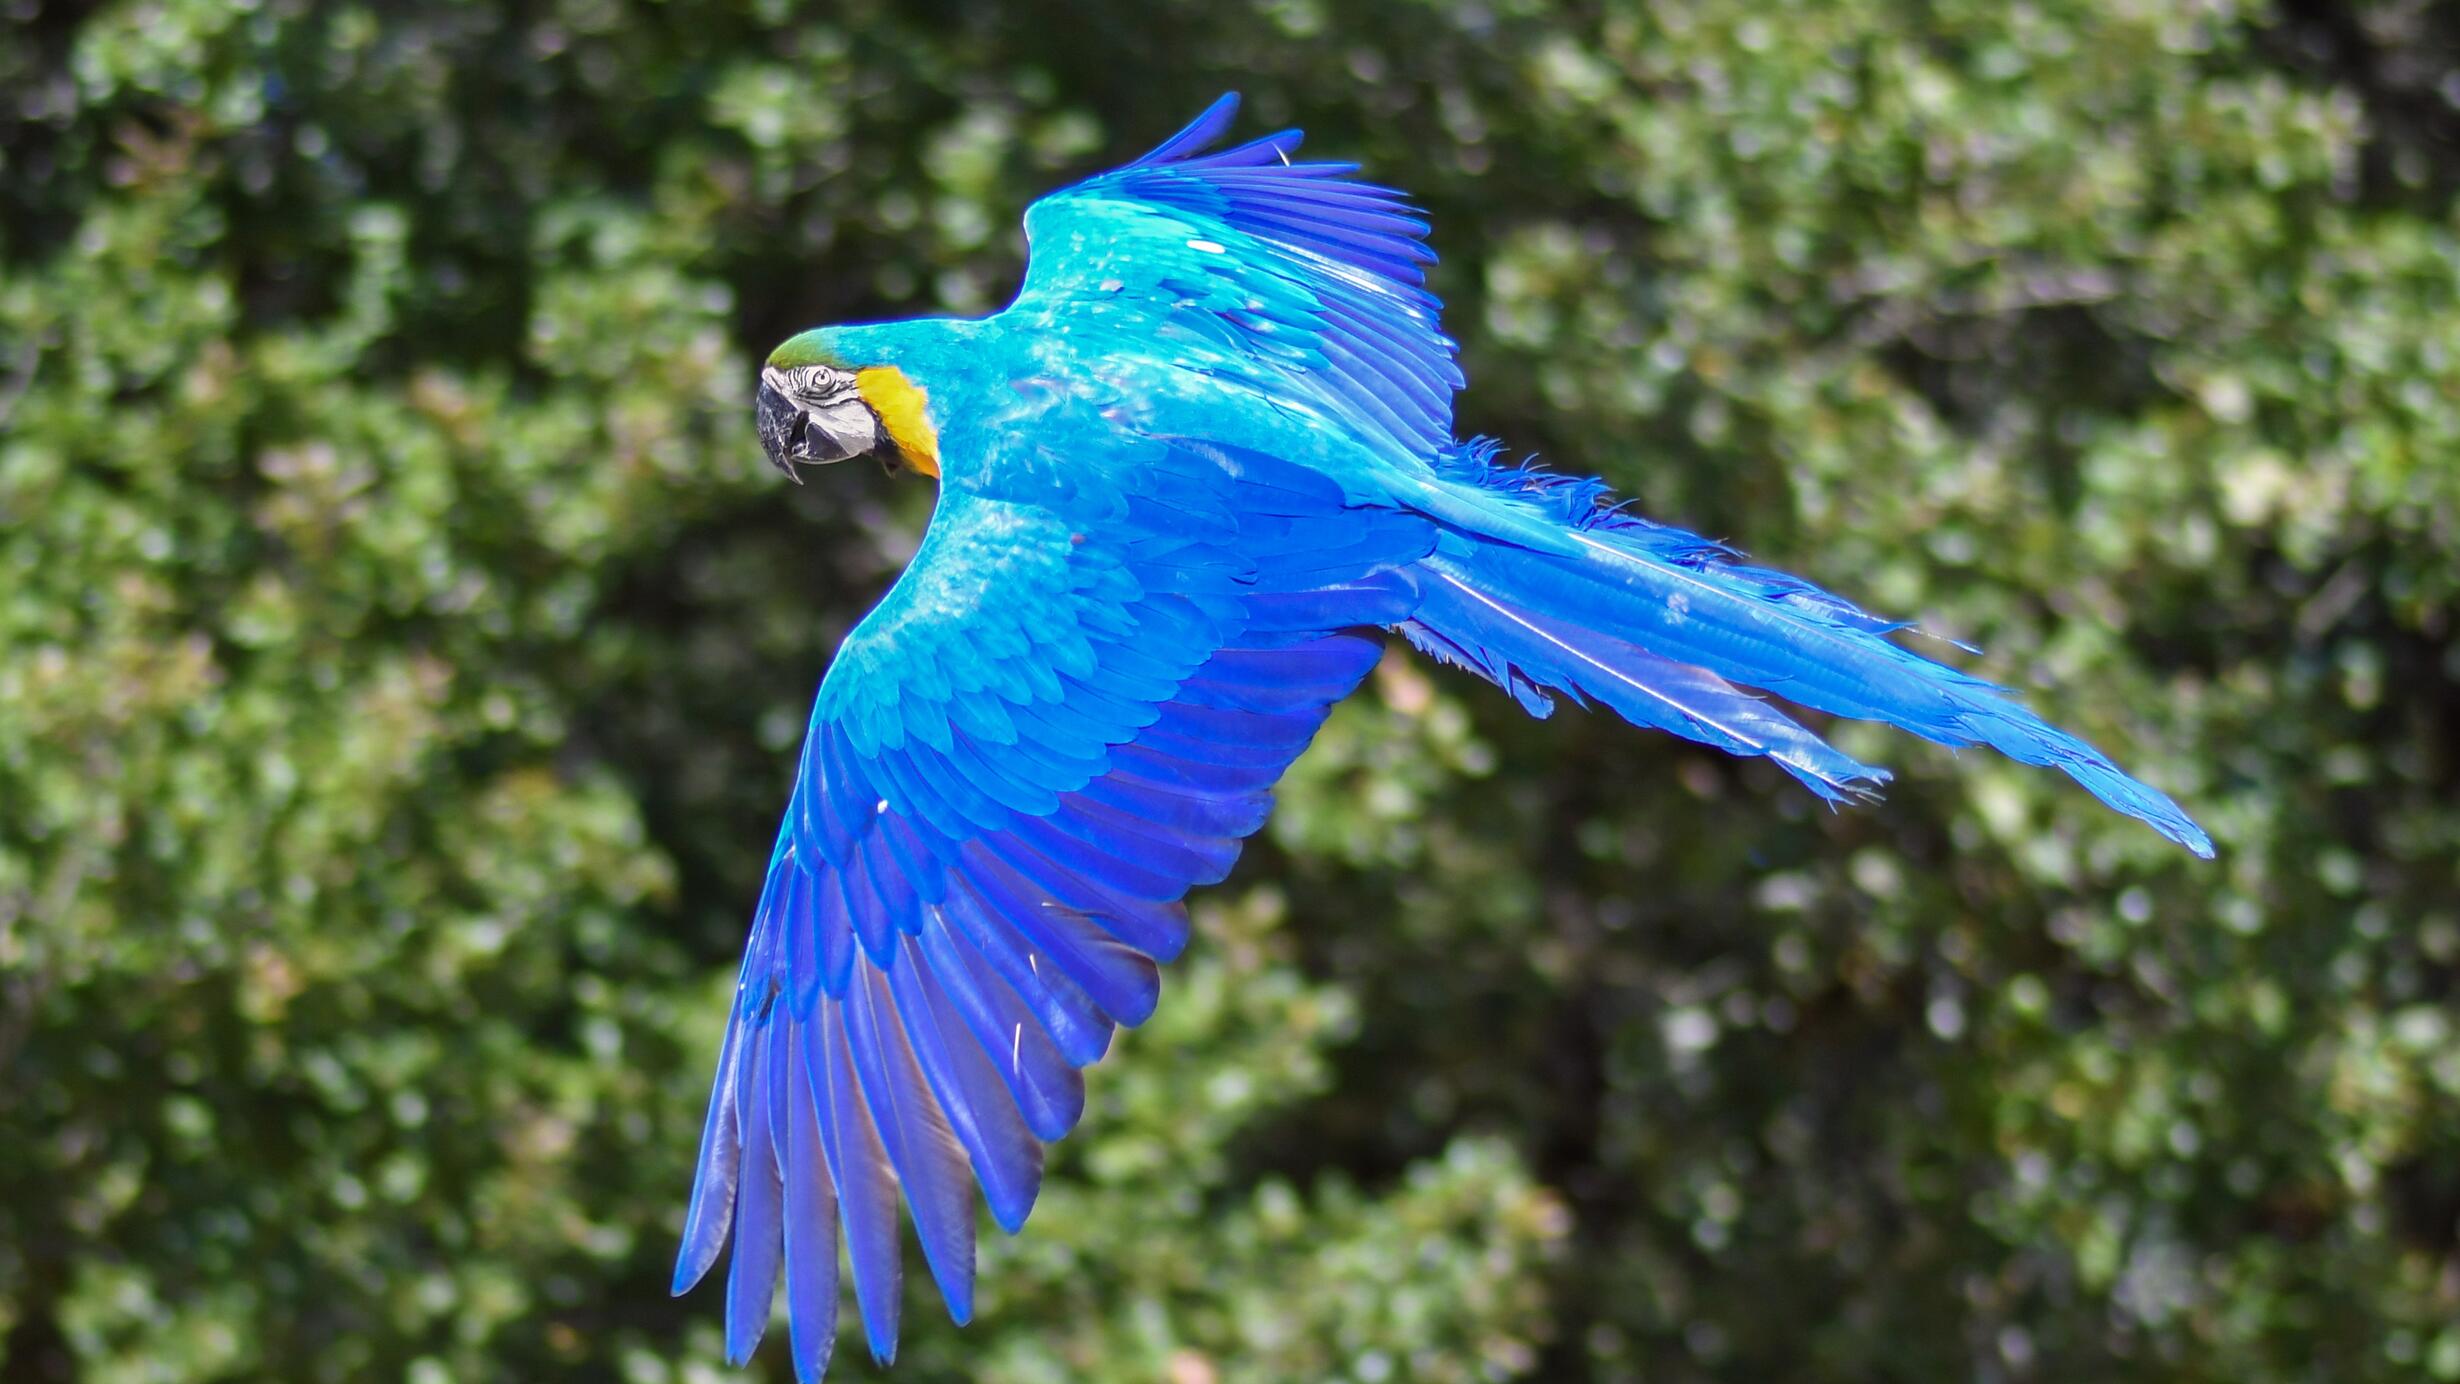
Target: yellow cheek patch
x,y
905,410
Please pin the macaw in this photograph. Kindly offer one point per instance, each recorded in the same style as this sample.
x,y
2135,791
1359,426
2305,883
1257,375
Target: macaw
x,y
1185,479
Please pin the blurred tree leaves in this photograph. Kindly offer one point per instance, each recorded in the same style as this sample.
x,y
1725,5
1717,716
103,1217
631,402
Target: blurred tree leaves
x,y
402,648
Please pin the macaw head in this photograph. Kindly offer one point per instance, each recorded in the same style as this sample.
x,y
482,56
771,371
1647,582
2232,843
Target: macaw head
x,y
820,401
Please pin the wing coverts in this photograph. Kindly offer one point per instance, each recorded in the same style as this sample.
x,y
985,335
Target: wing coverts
x,y
1291,274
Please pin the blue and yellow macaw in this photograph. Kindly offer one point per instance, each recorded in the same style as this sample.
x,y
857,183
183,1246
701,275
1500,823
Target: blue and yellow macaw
x,y
1184,480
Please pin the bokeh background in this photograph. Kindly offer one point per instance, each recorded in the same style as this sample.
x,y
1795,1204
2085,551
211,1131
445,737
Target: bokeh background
x,y
403,647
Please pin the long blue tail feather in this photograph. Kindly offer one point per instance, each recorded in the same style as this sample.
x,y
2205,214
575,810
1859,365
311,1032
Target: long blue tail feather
x,y
1533,651
1661,624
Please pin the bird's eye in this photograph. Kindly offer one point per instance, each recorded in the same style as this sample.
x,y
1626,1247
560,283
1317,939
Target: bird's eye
x,y
819,384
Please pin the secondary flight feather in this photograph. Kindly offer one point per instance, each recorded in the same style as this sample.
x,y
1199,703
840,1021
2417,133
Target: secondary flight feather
x,y
1186,480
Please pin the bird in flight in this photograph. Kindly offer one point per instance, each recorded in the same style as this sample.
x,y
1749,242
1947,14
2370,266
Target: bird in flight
x,y
1185,481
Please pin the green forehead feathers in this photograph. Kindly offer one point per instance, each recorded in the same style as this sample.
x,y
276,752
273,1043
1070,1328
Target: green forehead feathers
x,y
807,349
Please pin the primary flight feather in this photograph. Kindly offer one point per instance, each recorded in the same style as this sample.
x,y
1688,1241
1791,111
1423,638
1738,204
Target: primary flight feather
x,y
1184,481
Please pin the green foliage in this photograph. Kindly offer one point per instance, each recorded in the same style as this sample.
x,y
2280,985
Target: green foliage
x,y
402,648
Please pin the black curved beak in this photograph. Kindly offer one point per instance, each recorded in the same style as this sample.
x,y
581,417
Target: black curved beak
x,y
794,436
785,433
780,424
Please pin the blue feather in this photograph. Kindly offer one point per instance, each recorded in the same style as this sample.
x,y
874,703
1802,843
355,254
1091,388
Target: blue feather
x,y
833,920
917,854
1221,780
1176,859
811,1226
867,1192
983,719
869,900
1061,1006
1033,1023
985,1120
1387,600
1074,868
998,783
1055,742
751,1279
1243,736
929,1162
1121,980
1296,677
711,1211
1178,809
909,794
826,790
1214,749
800,968
1121,904
1201,131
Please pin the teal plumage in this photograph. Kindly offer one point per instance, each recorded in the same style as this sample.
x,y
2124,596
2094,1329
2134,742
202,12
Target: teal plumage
x,y
1184,479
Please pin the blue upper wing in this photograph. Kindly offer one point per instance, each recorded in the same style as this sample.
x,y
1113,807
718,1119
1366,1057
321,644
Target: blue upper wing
x,y
1245,260
1068,711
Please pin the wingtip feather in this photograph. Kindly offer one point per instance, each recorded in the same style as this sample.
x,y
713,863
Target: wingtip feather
x,y
1199,132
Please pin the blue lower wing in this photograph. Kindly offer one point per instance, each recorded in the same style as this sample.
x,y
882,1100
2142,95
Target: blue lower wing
x,y
1056,736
